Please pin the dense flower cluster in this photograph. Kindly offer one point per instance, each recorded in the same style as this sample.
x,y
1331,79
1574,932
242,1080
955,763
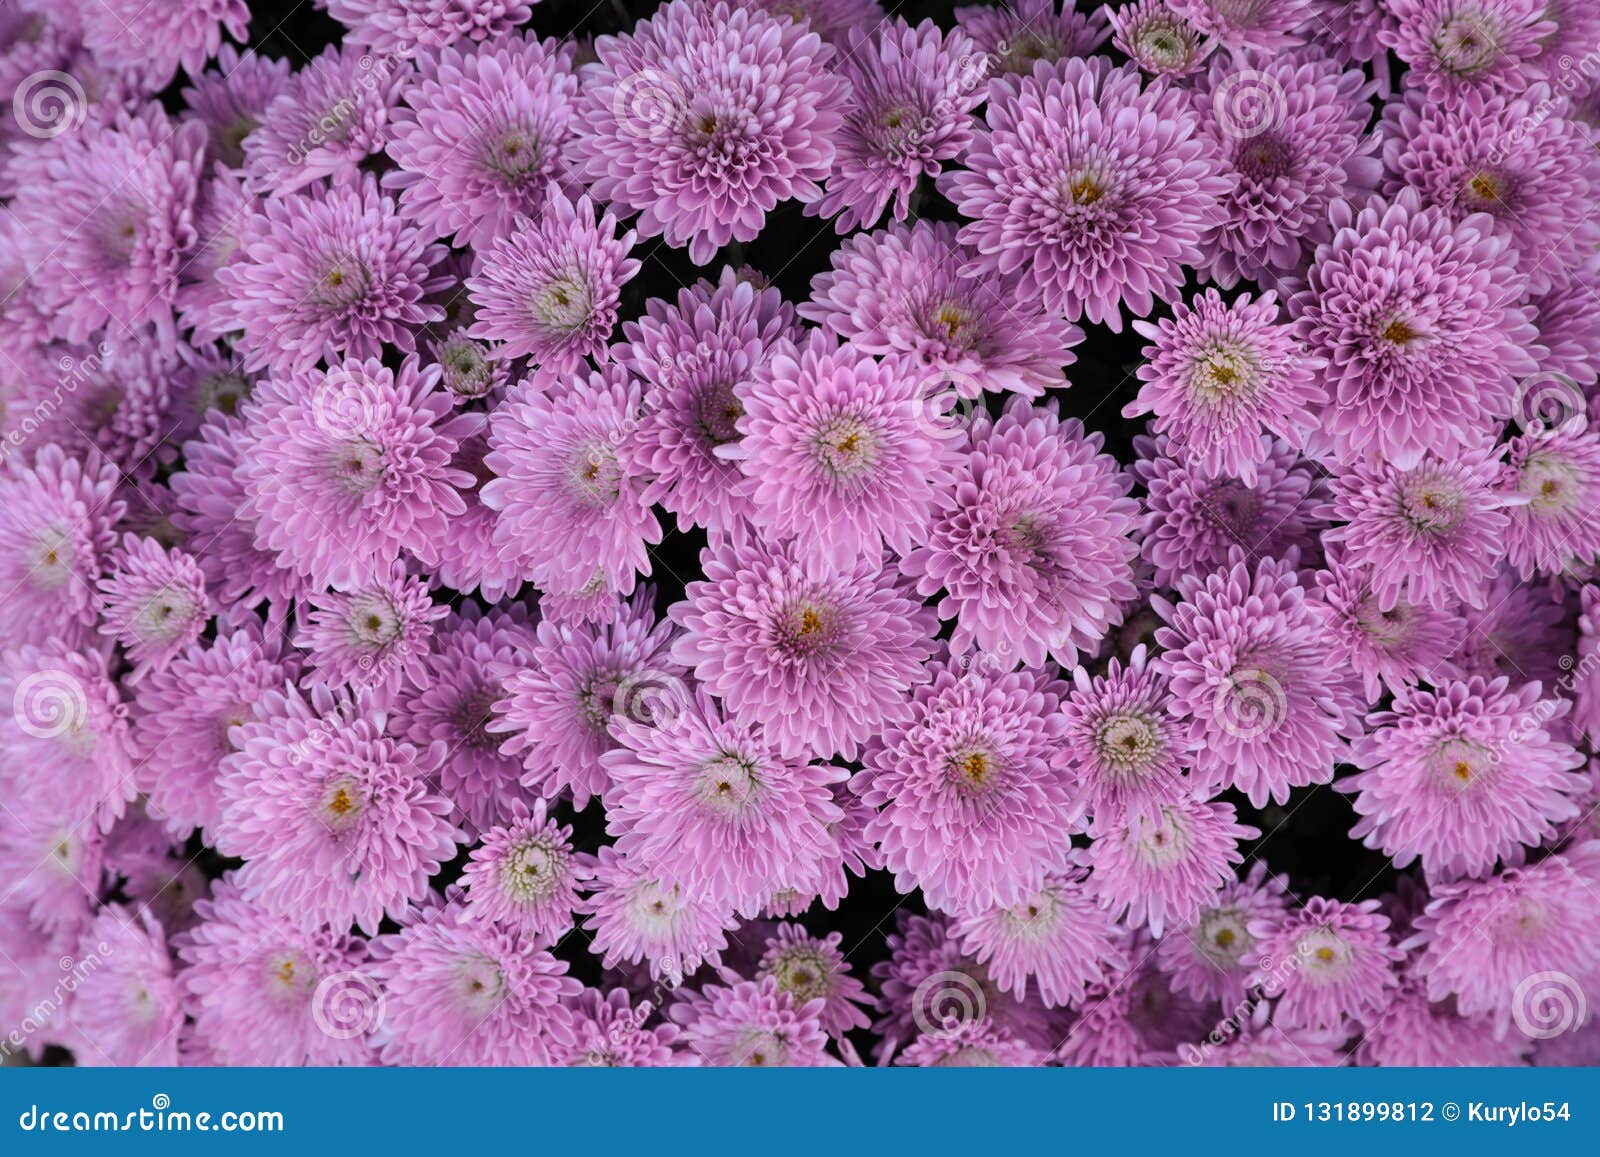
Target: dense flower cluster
x,y
770,533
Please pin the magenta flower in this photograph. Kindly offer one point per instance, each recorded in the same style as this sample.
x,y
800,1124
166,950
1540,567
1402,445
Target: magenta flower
x,y
753,1023
126,1011
153,602
231,99
156,39
1205,957
1262,26
1158,39
525,875
1454,48
1019,33
634,917
1413,1031
1325,962
1394,648
611,1032
1550,484
405,28
374,638
813,968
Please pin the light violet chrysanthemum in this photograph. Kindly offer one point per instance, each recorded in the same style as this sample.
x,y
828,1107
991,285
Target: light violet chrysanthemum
x,y
1122,742
116,398
374,638
205,380
1204,958
567,498
1569,334
1521,632
1248,669
562,692
813,968
184,714
331,273
467,370
469,561
525,875
125,1012
704,117
611,1032
901,292
472,657
157,39
458,991
1194,519
1453,46
912,94
852,854
231,99
753,1023
53,867
974,807
822,656
549,289
1217,374
1244,27
1087,216
1482,940
1033,548
1325,962
56,538
978,1043
333,115
153,602
1161,866
1551,481
1157,39
1058,937
1394,648
634,917
1433,533
842,452
106,214
252,980
1350,28
1412,1031
1423,325
1292,134
1463,776
694,357
223,208
1522,160
408,28
709,804
348,469
339,822
1019,33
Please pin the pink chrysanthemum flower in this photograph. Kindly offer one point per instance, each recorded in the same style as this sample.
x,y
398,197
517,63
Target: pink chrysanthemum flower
x,y
1218,374
153,602
466,673
1194,520
562,693
1521,632
1494,944
467,370
1157,39
115,398
1453,47
610,1032
1462,777
1085,216
156,39
1585,678
1521,160
469,560
1122,742
1248,669
549,289
1258,1043
1160,867
333,115
1248,26
525,875
184,715
223,209
458,991
254,982
205,380
338,821
568,499
1394,648
912,94
853,854
480,142
407,28
345,471
970,1044
53,865
1058,936
841,452
694,358
1350,28
64,734
107,213
1433,533
1033,546
1423,325
1551,481
56,538
231,99
1412,1031
974,805
634,917
1019,33
709,804
125,1012
821,655
901,292
1204,958
1325,962
335,272
374,638
813,968
1569,334
704,117
753,1023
